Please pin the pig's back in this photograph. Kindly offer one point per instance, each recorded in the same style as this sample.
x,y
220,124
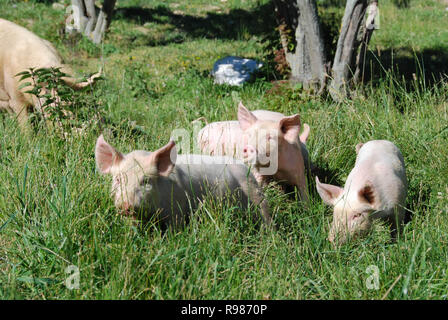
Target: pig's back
x,y
382,152
268,115
220,172
381,163
221,138
196,177
21,49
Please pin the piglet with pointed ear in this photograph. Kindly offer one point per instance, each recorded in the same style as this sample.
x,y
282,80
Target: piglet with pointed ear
x,y
329,193
165,188
272,147
133,174
245,117
375,188
106,156
164,159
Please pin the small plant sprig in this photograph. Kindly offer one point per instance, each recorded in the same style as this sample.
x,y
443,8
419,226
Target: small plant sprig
x,y
56,102
52,93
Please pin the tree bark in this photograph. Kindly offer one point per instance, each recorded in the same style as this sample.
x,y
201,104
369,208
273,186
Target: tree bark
x,y
344,64
86,20
311,44
104,20
302,42
371,24
91,15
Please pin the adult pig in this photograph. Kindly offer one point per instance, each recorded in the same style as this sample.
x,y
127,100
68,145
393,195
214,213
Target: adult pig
x,y
268,140
160,181
375,189
20,50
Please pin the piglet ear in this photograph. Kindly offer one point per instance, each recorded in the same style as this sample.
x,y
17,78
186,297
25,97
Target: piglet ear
x,y
359,146
290,127
245,117
165,158
106,156
306,132
367,194
328,192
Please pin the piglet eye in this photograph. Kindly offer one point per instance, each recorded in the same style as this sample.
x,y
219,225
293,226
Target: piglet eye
x,y
357,215
117,180
146,183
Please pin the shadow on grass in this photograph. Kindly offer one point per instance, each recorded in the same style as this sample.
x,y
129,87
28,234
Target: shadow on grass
x,y
46,1
416,68
418,200
325,175
258,21
404,63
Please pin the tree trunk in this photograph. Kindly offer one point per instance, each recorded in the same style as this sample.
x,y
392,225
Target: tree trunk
x,y
302,42
371,24
91,14
344,64
86,21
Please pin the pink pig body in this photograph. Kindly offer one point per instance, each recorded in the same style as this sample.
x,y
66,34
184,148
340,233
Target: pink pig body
x,y
171,185
277,116
375,189
231,138
20,49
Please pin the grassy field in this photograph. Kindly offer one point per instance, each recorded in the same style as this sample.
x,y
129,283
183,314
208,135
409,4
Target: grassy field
x,y
56,210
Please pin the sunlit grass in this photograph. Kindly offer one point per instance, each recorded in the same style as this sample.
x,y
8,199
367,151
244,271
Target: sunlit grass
x,y
56,209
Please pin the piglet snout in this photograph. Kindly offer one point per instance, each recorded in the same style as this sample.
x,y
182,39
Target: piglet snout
x,y
249,152
125,209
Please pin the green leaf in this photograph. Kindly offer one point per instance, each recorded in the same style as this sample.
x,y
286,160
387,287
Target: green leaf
x,y
22,73
34,91
28,75
43,71
23,85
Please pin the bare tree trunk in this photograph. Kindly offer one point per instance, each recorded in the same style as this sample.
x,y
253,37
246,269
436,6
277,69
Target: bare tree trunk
x,y
86,20
300,30
344,65
371,24
312,44
104,20
91,15
78,19
303,45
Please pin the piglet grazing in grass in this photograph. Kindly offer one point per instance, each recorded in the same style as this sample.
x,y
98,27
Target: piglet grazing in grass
x,y
268,141
375,189
171,185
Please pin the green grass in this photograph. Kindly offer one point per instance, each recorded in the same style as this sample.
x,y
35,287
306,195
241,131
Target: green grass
x,y
56,209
